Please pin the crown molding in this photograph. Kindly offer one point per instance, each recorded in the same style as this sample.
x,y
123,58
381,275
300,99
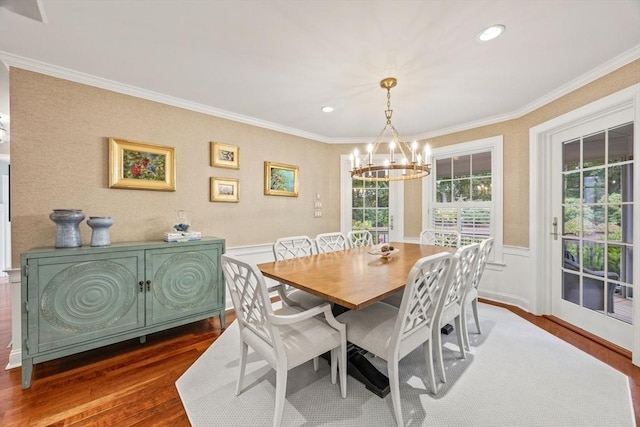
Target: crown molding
x,y
604,69
11,60
17,61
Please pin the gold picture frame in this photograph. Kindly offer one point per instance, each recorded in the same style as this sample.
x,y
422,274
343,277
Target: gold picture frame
x,y
280,179
225,190
141,166
225,155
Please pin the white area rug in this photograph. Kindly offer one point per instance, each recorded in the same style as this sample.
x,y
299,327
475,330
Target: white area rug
x,y
516,375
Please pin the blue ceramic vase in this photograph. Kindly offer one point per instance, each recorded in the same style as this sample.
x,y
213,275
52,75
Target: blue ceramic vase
x,y
68,230
100,230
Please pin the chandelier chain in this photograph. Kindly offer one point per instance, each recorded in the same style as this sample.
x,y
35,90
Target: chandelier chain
x,y
389,110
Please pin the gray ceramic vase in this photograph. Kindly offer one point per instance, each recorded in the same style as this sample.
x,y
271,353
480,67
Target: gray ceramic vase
x,y
68,230
100,230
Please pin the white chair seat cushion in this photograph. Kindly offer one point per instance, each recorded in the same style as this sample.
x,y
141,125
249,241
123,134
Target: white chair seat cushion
x,y
302,340
304,299
372,325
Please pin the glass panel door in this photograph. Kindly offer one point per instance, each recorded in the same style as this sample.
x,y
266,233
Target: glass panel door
x,y
594,256
597,230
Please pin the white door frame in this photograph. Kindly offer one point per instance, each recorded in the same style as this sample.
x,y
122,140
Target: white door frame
x,y
5,225
540,202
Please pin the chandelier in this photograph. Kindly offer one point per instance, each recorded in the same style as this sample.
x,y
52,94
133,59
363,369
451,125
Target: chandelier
x,y
404,161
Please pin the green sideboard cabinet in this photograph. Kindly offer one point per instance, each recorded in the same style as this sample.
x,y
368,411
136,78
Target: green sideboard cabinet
x,y
77,299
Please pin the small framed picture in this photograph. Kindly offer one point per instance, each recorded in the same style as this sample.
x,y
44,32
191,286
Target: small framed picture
x,y
225,190
141,166
225,156
280,179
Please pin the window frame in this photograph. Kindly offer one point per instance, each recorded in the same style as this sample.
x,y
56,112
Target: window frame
x,y
492,145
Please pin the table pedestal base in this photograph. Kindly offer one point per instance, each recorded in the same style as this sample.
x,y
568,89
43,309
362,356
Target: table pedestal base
x,y
361,369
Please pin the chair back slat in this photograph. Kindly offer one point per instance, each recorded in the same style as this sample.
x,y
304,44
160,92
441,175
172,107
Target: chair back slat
x,y
422,291
464,264
358,238
331,242
293,247
449,238
483,256
248,292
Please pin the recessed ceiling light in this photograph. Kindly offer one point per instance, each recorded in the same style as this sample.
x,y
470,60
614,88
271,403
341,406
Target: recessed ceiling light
x,y
327,109
491,32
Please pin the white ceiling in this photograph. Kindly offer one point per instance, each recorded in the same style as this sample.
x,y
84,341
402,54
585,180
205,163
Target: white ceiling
x,y
276,63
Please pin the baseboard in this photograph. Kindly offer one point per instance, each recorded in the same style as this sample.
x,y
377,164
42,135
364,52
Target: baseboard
x,y
15,360
588,335
503,298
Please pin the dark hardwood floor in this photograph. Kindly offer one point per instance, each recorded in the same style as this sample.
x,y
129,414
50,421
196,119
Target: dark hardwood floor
x,y
129,383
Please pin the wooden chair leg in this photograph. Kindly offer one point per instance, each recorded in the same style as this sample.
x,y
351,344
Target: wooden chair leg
x,y
334,365
474,305
394,385
465,329
459,333
437,349
243,362
343,371
428,358
281,389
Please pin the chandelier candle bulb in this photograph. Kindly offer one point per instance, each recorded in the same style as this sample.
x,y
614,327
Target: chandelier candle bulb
x,y
414,146
427,154
370,151
392,146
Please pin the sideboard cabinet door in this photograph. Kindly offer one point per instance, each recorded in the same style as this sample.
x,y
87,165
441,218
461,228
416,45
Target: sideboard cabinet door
x,y
183,283
81,299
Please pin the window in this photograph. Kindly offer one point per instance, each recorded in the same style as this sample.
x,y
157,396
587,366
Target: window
x,y
464,191
370,208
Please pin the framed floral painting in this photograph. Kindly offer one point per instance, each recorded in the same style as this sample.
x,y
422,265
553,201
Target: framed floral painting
x,y
280,179
141,166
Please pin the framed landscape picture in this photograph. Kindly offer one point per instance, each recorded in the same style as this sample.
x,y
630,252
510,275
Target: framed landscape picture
x,y
225,155
141,166
280,179
225,190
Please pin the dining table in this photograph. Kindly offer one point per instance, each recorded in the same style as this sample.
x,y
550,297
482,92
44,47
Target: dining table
x,y
353,279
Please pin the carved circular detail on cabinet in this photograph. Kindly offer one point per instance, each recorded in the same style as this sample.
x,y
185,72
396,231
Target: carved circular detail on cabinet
x,y
185,280
89,296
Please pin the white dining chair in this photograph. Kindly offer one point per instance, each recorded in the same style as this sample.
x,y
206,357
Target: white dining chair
x,y
441,237
358,238
391,333
294,247
331,242
448,238
285,338
472,293
452,299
